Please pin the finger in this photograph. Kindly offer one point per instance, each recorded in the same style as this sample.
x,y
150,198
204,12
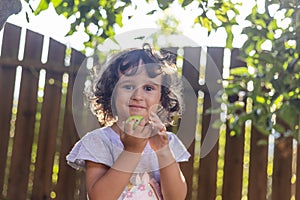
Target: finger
x,y
146,131
143,122
142,130
128,127
153,116
163,128
163,134
158,125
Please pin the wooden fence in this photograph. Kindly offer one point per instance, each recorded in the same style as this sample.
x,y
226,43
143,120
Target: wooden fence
x,y
37,130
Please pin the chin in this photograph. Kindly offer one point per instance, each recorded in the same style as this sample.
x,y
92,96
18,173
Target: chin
x,y
143,114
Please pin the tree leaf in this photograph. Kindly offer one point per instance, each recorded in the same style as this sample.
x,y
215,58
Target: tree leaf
x,y
56,2
262,142
151,12
43,5
240,71
217,124
27,17
186,2
164,4
119,19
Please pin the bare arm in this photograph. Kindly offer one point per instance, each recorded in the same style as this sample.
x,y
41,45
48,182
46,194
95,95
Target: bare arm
x,y
109,183
173,185
172,181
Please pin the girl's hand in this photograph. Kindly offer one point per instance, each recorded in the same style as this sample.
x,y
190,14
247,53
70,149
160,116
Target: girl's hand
x,y
135,138
159,137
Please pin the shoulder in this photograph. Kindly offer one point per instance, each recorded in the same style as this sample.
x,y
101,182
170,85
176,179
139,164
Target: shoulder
x,y
104,133
102,138
98,132
95,146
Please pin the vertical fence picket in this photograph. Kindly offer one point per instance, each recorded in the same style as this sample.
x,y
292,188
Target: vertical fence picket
x,y
66,185
42,183
69,137
234,152
77,59
11,39
282,170
257,188
190,66
233,168
208,164
23,139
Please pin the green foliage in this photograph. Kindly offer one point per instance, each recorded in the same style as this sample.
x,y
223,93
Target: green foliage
x,y
272,76
102,15
168,25
105,14
222,17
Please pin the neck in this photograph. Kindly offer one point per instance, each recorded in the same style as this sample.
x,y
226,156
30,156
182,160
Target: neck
x,y
116,127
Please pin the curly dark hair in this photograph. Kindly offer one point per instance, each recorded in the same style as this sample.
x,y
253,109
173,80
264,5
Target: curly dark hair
x,y
126,63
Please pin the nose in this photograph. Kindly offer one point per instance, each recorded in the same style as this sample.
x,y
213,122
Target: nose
x,y
137,94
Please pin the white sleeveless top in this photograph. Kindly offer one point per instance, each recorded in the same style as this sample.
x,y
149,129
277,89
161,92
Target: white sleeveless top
x,y
104,146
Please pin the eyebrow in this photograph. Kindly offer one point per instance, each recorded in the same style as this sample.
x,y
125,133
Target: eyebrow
x,y
145,83
124,81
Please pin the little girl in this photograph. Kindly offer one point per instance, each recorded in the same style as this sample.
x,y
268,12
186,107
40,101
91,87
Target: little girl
x,y
130,158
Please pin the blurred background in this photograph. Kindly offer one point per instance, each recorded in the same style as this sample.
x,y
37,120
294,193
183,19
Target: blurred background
x,y
242,63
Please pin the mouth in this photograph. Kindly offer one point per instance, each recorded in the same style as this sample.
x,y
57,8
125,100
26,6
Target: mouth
x,y
137,107
138,110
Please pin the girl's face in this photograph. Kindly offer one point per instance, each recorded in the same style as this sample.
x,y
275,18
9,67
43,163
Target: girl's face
x,y
137,94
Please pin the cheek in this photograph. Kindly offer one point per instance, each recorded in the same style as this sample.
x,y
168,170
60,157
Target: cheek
x,y
121,103
156,99
121,95
125,97
120,100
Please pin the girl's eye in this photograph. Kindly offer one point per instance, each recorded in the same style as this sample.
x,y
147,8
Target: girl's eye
x,y
149,88
128,87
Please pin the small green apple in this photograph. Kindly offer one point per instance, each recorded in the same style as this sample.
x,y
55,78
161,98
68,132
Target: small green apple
x,y
137,119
